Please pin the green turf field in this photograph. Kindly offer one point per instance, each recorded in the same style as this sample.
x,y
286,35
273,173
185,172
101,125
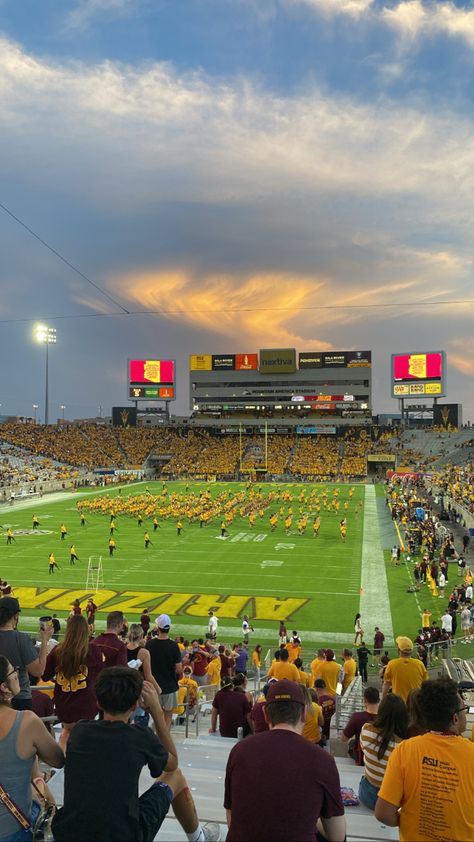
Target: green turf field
x,y
316,584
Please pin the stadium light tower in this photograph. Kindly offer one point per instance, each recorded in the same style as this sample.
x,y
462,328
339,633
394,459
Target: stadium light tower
x,y
35,407
63,407
46,336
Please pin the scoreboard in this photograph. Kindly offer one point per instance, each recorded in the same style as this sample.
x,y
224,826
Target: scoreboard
x,y
421,374
152,380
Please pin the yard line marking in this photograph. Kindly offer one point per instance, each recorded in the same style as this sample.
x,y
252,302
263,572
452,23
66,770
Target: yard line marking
x,y
374,599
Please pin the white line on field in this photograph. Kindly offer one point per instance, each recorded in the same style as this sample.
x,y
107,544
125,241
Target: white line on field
x,y
374,598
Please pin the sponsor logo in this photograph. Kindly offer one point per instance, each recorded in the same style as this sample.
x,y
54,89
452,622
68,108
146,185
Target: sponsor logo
x,y
280,360
32,531
430,761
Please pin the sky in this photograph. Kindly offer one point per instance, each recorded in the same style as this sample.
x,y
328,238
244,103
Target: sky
x,y
229,175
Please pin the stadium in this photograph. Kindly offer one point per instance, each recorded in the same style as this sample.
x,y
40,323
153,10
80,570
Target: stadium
x,y
280,500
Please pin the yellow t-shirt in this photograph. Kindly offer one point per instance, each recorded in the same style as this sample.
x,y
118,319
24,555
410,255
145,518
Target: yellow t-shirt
x,y
181,697
214,671
311,730
256,662
349,672
283,669
330,673
305,678
431,777
405,674
316,668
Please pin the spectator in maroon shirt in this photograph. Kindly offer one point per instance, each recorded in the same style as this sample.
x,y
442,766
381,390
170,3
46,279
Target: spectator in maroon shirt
x,y
145,621
199,660
227,662
74,666
258,716
357,720
113,649
379,639
233,710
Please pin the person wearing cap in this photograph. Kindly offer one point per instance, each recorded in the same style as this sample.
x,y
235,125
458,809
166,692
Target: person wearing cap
x,y
20,651
404,673
255,765
328,705
330,672
166,666
428,785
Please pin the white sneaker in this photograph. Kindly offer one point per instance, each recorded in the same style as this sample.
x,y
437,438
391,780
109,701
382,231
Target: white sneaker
x,y
212,831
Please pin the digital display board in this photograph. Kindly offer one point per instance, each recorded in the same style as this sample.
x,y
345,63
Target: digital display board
x,y
420,374
151,380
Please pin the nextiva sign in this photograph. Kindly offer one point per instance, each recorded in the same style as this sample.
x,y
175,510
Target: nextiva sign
x,y
278,361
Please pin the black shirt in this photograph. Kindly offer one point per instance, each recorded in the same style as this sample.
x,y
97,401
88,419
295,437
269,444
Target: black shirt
x,y
103,765
164,654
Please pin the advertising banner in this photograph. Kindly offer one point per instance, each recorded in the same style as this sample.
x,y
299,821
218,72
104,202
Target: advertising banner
x,y
200,362
277,360
246,362
359,359
223,361
310,359
334,359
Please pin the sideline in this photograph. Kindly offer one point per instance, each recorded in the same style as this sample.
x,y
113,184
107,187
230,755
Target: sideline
x,y
374,597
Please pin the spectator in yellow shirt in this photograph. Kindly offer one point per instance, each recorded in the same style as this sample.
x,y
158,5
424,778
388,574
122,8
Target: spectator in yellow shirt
x,y
213,670
350,668
283,669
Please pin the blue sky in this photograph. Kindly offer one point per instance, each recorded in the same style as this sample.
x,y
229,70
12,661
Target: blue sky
x,y
233,155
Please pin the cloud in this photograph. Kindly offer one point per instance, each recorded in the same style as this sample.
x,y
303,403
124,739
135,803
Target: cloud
x,y
86,11
410,18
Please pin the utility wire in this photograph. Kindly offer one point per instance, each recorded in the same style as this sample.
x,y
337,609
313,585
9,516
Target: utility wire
x,y
64,259
405,304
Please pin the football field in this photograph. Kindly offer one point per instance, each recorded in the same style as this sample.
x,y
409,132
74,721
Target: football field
x,y
316,584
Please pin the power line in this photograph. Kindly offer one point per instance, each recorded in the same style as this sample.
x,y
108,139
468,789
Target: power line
x,y
64,259
405,304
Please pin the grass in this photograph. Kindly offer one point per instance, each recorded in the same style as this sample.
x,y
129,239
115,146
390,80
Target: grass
x,y
312,583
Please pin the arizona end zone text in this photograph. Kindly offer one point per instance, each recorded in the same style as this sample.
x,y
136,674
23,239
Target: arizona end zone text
x,y
188,604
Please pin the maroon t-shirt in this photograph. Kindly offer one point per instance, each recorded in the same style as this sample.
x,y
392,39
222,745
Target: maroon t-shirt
x,y
259,722
199,662
232,708
263,765
328,706
113,650
353,729
379,638
74,698
227,665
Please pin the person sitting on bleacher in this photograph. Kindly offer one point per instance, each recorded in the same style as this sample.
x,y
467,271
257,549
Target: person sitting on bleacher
x,y
353,728
104,760
278,767
23,739
377,740
428,786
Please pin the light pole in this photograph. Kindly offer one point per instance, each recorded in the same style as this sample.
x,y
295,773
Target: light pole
x,y
46,336
35,407
63,407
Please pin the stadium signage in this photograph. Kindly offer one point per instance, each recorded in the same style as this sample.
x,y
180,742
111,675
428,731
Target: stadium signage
x,y
334,359
359,359
318,406
223,361
308,359
246,362
418,374
151,380
200,362
278,361
187,604
316,431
